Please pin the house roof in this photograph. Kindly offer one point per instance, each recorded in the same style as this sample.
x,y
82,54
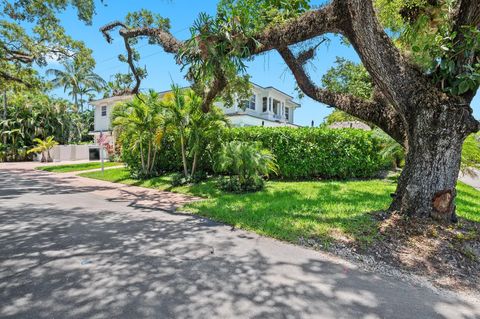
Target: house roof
x,y
112,100
350,124
121,98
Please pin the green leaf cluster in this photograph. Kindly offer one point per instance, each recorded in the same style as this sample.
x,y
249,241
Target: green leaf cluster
x,y
31,33
423,30
158,132
33,114
245,163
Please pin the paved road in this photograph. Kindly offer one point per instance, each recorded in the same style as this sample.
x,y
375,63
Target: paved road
x,y
472,179
70,249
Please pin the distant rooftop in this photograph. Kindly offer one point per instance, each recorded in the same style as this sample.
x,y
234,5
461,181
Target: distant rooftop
x,y
350,124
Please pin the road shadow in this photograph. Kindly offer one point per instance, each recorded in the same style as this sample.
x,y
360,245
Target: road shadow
x,y
76,263
17,182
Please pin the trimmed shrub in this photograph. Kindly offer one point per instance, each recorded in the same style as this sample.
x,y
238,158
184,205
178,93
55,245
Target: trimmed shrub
x,y
301,153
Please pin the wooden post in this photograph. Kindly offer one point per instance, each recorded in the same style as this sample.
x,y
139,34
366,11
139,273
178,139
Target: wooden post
x,y
101,151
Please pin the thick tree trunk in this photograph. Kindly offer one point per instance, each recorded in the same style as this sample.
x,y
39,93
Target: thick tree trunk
x,y
426,187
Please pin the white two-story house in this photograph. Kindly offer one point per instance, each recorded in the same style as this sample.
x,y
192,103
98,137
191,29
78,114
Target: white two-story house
x,y
267,106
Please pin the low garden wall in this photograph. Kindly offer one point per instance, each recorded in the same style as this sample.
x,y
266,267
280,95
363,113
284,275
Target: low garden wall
x,y
62,153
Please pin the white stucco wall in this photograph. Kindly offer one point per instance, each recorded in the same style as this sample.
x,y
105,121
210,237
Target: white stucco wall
x,y
61,153
102,123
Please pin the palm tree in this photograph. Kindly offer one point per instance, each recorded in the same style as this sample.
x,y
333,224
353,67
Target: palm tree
x,y
78,79
179,117
202,126
44,146
185,116
141,121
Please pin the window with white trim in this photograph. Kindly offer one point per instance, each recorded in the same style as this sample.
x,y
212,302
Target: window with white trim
x,y
287,113
249,104
104,110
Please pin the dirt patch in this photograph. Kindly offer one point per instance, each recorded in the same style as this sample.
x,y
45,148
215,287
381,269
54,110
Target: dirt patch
x,y
448,254
437,254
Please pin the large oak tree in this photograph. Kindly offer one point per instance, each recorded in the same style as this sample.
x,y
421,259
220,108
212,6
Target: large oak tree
x,y
422,57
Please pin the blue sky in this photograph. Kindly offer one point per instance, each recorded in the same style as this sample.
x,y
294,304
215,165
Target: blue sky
x,y
265,70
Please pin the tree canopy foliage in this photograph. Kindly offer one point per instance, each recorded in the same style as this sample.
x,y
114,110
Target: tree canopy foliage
x,y
33,114
31,34
79,79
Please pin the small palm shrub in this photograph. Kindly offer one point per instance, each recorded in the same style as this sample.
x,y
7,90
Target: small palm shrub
x,y
391,151
43,147
245,164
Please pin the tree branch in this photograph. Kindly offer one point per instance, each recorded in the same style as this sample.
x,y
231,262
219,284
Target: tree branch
x,y
17,55
376,112
309,25
391,72
211,93
165,39
9,77
106,33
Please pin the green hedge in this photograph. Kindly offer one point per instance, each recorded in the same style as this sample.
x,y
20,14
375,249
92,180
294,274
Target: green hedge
x,y
316,152
301,153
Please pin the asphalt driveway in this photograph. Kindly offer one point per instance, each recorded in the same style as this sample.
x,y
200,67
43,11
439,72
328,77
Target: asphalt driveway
x,y
77,248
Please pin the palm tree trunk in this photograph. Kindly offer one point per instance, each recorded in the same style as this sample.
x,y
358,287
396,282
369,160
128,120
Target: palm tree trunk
x,y
81,102
152,164
142,158
148,157
75,99
195,158
184,157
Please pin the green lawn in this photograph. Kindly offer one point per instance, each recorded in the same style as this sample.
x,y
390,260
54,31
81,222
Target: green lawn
x,y
75,167
323,210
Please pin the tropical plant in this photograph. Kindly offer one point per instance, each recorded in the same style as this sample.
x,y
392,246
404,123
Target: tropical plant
x,y
140,125
31,114
245,163
391,151
44,146
121,84
190,125
79,79
202,128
